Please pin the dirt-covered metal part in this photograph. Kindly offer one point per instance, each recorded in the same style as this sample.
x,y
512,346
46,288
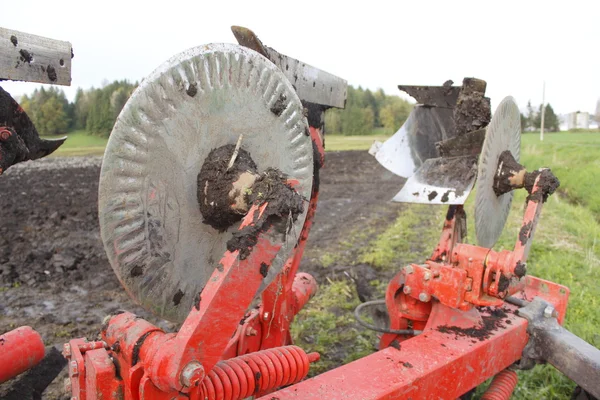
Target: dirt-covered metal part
x,y
19,140
472,110
511,175
444,96
312,84
150,218
32,58
550,342
438,156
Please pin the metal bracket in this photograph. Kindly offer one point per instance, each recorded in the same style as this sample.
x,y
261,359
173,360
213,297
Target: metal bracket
x,y
548,341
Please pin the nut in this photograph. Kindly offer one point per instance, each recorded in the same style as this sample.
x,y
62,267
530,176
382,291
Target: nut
x,y
193,372
67,350
427,276
424,297
407,289
550,312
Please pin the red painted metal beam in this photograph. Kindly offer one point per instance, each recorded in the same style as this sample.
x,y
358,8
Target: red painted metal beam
x,y
439,364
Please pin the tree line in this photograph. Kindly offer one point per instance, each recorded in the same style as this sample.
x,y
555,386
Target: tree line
x,y
531,120
94,110
366,111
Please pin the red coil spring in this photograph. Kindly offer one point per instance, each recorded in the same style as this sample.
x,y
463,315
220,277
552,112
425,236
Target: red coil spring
x,y
247,375
502,386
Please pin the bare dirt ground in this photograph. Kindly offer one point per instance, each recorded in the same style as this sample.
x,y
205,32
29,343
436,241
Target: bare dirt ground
x,y
54,275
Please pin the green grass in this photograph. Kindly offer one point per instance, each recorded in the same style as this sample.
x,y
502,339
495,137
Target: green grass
x,y
340,143
80,143
574,159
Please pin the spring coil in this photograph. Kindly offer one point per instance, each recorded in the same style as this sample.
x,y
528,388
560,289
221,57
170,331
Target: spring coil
x,y
247,375
502,386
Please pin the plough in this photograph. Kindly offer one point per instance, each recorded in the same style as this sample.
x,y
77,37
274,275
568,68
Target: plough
x,y
208,191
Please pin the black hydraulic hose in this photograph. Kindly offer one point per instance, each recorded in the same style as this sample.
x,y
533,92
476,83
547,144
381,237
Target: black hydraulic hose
x,y
371,303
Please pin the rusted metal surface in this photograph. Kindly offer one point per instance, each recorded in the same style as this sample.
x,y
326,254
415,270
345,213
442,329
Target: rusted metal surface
x,y
20,349
312,84
32,58
19,140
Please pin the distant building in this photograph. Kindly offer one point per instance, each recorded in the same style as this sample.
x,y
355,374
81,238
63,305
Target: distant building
x,y
578,120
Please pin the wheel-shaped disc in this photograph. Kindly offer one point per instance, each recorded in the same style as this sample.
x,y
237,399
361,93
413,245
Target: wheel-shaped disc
x,y
491,211
201,99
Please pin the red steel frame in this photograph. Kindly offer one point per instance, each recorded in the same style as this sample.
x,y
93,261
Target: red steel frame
x,y
461,345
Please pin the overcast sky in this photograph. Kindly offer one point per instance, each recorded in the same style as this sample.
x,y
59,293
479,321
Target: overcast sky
x,y
513,45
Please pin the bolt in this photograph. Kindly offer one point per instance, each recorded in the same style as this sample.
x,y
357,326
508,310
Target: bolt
x,y
266,316
427,276
67,350
193,372
408,269
4,135
424,297
74,370
407,290
550,312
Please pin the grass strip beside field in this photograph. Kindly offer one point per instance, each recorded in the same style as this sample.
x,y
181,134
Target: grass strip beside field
x,y
80,143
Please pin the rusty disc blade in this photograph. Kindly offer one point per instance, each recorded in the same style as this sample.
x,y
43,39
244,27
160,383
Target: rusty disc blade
x,y
199,100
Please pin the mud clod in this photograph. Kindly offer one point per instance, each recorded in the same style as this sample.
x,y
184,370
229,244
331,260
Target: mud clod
x,y
13,40
136,271
490,324
26,56
264,269
407,364
503,284
547,184
520,269
432,195
215,182
177,297
446,196
197,300
284,205
279,105
51,73
524,233
192,90
472,111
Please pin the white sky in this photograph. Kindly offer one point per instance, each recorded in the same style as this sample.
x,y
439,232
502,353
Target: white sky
x,y
514,46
